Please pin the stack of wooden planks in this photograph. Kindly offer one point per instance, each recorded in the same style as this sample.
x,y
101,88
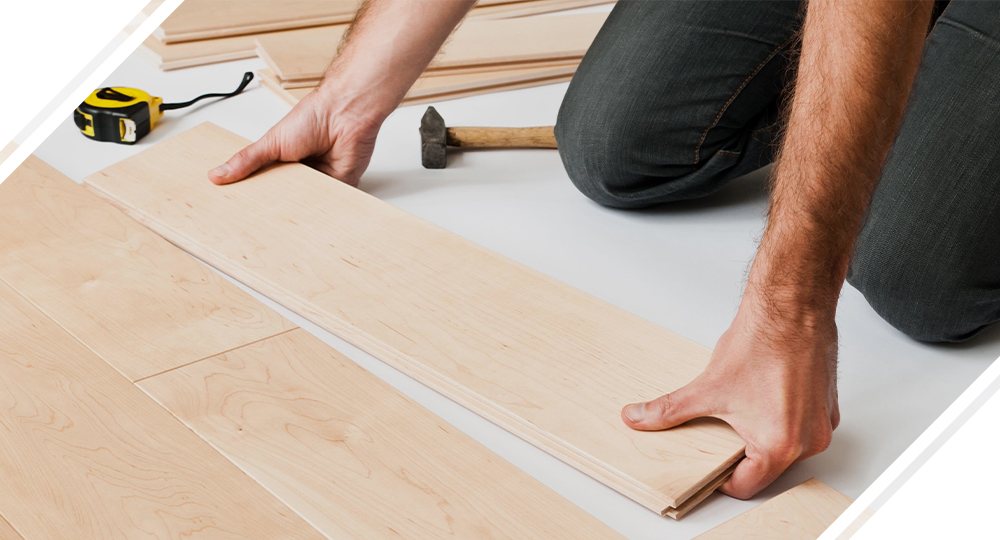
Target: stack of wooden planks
x,y
480,57
201,32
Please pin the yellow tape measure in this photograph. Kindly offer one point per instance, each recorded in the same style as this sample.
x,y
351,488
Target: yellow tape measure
x,y
125,115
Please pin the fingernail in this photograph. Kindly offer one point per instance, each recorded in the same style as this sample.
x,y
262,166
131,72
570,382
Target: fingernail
x,y
221,171
636,412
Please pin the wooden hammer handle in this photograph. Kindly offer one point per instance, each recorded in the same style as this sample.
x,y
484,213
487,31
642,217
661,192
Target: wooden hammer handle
x,y
499,137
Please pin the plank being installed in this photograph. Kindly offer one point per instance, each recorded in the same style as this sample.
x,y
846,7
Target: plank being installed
x,y
801,513
339,446
305,54
89,455
174,310
541,359
352,455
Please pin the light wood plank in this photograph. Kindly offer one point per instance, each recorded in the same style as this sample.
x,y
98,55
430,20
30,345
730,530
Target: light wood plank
x,y
541,359
305,54
434,84
209,19
173,56
292,96
88,455
801,513
352,455
173,309
332,441
7,532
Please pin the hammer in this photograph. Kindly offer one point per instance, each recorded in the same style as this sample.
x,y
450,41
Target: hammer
x,y
435,138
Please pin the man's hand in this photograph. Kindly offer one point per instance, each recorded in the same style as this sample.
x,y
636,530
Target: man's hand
x,y
772,376
385,49
773,381
317,132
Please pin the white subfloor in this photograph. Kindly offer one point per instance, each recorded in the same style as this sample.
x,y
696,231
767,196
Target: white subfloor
x,y
681,267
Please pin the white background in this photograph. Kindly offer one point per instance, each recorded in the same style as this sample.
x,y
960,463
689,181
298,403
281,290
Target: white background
x,y
681,267
46,43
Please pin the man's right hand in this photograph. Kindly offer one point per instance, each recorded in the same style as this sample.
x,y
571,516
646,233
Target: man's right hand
x,y
319,132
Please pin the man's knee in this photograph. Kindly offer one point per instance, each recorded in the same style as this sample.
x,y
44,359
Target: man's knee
x,y
597,152
614,157
927,299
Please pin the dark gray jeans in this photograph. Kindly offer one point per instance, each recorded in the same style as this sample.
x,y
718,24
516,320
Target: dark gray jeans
x,y
675,99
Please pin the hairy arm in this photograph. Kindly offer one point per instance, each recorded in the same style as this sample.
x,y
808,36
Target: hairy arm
x,y
773,373
386,48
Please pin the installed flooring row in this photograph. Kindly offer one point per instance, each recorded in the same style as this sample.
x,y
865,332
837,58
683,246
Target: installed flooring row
x,y
146,397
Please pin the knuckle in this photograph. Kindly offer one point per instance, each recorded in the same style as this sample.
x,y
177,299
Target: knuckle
x,y
786,449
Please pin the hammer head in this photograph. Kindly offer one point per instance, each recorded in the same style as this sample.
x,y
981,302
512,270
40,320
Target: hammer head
x,y
433,140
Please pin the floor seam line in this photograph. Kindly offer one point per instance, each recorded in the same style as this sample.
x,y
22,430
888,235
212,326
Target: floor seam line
x,y
227,351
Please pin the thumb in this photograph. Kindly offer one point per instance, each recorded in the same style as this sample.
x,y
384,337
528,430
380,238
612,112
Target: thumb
x,y
246,162
670,410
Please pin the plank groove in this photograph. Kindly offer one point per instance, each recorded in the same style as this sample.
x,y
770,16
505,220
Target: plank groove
x,y
88,455
352,455
174,310
801,513
541,359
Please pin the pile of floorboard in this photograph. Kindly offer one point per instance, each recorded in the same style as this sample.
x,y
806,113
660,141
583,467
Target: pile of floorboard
x,y
481,57
201,32
497,48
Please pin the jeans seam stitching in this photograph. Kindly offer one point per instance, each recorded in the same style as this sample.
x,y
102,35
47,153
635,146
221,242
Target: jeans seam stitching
x,y
697,149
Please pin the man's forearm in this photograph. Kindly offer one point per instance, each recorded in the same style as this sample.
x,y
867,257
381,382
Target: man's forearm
x,y
387,47
856,67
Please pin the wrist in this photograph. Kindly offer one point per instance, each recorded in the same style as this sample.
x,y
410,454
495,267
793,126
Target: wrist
x,y
359,94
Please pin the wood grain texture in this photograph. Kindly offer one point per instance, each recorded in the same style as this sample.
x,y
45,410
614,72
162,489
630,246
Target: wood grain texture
x,y
495,137
546,361
292,96
7,532
159,311
801,513
305,54
432,83
355,457
173,56
209,19
89,455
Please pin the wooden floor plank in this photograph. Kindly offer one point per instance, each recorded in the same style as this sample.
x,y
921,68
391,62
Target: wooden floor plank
x,y
7,532
541,359
208,19
801,513
332,441
89,455
352,455
173,309
292,96
305,54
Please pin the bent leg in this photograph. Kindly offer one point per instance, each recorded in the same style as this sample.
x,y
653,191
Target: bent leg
x,y
674,99
928,257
